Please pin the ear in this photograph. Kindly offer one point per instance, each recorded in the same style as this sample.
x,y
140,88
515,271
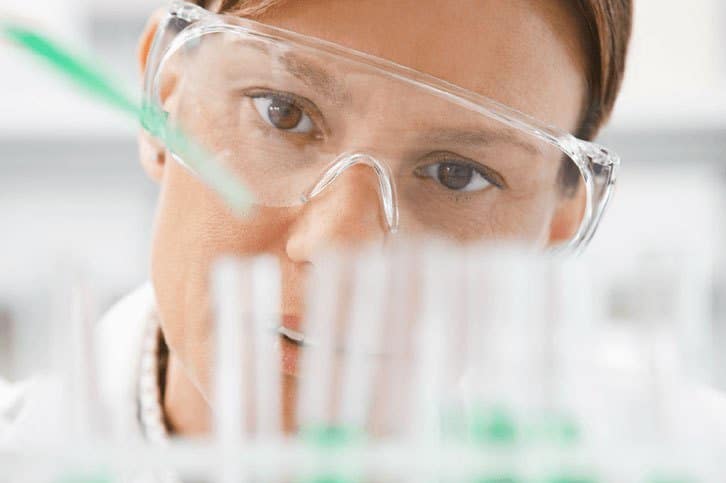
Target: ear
x,y
147,37
568,216
151,151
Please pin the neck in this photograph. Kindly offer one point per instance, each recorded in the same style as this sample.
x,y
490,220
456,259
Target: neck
x,y
186,411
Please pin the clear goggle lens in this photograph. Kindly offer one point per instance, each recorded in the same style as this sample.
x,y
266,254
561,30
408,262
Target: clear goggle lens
x,y
290,121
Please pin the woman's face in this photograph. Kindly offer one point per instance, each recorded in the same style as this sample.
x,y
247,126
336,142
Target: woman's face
x,y
526,54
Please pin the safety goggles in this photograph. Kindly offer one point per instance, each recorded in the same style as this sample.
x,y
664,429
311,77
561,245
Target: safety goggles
x,y
289,115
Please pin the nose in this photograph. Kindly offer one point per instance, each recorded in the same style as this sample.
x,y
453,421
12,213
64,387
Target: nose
x,y
352,204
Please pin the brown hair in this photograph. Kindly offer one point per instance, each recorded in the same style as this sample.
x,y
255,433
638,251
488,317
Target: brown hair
x,y
607,26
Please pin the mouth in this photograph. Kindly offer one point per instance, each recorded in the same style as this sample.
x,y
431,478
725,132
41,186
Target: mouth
x,y
292,340
293,336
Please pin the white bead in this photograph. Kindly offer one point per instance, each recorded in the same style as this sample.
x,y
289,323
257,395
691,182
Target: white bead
x,y
151,412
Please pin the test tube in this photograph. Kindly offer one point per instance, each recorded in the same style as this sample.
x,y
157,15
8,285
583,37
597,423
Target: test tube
x,y
439,299
318,360
266,293
401,305
71,406
507,321
574,346
73,361
247,295
363,339
231,292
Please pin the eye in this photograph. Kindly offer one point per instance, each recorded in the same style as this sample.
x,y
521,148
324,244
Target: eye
x,y
282,113
457,176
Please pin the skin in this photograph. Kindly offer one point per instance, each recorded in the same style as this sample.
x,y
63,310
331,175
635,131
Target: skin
x,y
526,54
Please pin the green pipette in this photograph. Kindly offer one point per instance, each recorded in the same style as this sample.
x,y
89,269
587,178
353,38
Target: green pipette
x,y
92,80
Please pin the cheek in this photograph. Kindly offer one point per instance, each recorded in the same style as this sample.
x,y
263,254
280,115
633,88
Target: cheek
x,y
193,228
528,214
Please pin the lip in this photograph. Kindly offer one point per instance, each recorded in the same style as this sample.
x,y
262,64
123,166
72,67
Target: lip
x,y
290,355
292,322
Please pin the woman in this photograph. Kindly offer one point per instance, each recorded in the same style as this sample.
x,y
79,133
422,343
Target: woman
x,y
440,128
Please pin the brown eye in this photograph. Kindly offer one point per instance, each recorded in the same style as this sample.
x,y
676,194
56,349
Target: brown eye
x,y
282,114
454,176
459,176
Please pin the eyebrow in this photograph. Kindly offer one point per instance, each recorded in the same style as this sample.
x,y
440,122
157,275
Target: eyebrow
x,y
476,138
315,77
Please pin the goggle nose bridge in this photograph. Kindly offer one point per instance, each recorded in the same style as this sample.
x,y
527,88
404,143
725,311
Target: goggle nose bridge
x,y
386,186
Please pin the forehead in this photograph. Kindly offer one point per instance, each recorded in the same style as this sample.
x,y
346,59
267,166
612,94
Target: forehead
x,y
523,53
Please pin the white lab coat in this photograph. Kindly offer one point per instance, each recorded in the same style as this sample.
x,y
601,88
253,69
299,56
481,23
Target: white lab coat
x,y
24,414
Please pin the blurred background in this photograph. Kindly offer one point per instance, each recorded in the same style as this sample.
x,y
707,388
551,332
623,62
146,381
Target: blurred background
x,y
71,187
